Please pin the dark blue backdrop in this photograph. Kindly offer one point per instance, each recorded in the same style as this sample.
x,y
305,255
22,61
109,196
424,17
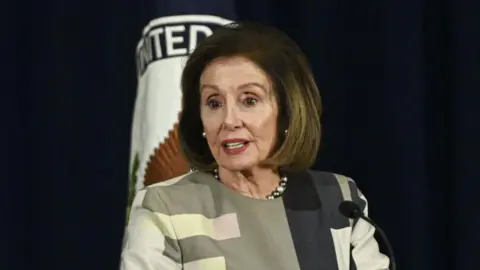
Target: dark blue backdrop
x,y
400,81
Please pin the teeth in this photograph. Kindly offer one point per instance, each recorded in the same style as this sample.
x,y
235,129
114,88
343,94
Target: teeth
x,y
234,145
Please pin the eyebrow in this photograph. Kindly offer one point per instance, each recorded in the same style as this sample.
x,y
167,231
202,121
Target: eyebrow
x,y
242,86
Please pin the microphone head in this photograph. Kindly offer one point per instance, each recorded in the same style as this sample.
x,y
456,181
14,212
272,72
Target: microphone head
x,y
350,209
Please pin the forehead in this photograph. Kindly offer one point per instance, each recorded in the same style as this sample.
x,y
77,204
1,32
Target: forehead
x,y
233,71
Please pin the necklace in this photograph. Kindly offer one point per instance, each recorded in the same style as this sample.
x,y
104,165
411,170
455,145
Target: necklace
x,y
277,192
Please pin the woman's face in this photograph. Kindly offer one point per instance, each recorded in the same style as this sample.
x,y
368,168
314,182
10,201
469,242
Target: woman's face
x,y
239,112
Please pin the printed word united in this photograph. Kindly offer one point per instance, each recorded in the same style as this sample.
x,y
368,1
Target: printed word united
x,y
164,41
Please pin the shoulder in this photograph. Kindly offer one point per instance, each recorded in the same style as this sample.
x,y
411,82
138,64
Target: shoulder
x,y
159,196
325,178
339,184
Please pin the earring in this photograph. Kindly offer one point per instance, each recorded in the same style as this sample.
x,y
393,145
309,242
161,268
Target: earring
x,y
203,134
286,131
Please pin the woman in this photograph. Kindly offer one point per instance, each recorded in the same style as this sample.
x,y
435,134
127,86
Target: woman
x,y
250,128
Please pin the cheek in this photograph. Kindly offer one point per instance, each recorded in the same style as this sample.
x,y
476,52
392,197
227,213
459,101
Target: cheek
x,y
265,127
211,126
271,125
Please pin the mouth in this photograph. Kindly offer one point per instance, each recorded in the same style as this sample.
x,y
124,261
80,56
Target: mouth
x,y
235,146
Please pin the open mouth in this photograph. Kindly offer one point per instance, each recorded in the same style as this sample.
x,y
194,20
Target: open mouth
x,y
235,145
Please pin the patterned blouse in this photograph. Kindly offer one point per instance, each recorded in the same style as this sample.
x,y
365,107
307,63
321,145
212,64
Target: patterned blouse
x,y
194,222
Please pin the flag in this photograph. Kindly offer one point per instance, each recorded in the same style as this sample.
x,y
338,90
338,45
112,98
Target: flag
x,y
172,30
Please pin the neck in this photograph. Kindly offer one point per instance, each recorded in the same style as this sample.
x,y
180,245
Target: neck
x,y
256,182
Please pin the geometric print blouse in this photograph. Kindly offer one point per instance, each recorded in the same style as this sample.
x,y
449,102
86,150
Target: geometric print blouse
x,y
194,222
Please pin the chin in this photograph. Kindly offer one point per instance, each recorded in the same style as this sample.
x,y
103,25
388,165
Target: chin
x,y
238,165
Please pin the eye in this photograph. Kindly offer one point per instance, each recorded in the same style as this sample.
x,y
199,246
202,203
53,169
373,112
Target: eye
x,y
250,101
213,104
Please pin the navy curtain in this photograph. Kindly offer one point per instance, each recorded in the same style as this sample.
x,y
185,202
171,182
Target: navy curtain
x,y
400,82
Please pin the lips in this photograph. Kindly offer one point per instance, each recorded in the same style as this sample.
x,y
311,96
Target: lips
x,y
235,146
232,142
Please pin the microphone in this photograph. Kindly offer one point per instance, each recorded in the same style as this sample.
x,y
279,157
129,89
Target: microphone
x,y
353,211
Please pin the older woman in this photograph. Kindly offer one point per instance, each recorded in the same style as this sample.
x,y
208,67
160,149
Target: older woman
x,y
250,128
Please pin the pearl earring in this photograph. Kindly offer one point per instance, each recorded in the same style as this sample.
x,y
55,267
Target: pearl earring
x,y
203,134
286,130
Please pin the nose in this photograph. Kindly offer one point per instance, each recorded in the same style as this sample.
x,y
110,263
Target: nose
x,y
231,120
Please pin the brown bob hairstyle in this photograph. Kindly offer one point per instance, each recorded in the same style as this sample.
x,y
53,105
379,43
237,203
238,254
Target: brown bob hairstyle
x,y
293,84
